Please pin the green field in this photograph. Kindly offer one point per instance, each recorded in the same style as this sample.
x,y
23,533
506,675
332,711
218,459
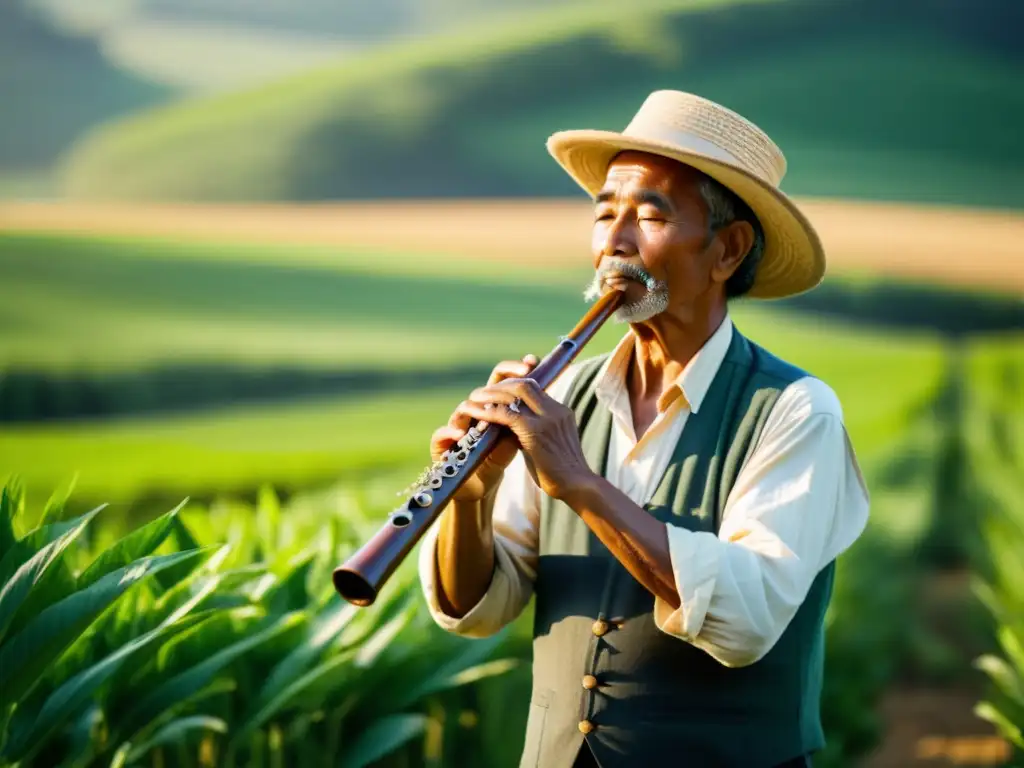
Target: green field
x,y
867,100
126,306
117,310
936,427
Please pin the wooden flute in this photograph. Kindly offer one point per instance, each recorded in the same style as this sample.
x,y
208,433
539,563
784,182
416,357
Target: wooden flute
x,y
360,578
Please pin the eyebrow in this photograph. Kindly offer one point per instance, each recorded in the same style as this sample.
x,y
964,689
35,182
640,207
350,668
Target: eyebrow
x,y
644,196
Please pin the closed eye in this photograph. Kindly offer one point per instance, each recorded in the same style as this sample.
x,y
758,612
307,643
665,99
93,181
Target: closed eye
x,y
651,213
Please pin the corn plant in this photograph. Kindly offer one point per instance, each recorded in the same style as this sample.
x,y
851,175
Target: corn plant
x,y
54,664
998,440
216,641
1004,597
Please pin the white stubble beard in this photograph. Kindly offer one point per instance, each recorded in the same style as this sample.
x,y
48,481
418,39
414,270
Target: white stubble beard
x,y
653,302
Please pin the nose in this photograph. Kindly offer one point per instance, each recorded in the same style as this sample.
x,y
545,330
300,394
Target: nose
x,y
617,240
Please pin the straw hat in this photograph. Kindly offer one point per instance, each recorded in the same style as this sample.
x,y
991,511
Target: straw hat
x,y
729,149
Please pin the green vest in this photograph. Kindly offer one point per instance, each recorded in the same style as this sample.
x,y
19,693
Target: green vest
x,y
657,695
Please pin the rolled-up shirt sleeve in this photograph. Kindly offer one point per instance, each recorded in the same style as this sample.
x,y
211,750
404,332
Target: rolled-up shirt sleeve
x,y
515,519
797,504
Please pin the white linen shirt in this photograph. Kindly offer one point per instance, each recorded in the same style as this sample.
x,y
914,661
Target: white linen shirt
x,y
798,502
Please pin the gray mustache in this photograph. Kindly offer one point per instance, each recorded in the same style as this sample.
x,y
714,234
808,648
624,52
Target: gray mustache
x,y
626,269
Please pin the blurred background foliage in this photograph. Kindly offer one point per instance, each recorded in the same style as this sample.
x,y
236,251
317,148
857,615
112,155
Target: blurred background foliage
x,y
287,386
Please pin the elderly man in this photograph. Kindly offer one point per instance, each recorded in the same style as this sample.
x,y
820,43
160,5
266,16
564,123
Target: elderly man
x,y
676,506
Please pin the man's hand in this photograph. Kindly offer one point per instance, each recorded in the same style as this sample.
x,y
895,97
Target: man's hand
x,y
544,429
485,480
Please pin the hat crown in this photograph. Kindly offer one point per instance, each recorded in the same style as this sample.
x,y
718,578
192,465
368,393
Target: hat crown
x,y
696,124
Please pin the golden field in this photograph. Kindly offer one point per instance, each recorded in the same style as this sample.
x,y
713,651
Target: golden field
x,y
955,246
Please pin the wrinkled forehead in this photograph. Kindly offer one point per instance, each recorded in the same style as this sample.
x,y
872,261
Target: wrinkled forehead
x,y
629,172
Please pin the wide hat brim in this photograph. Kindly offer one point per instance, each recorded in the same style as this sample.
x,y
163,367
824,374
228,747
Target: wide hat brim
x,y
793,261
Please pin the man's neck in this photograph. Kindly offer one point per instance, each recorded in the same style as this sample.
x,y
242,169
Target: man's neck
x,y
662,349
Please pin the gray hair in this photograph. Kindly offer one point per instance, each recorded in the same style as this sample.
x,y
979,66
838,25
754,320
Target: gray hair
x,y
724,207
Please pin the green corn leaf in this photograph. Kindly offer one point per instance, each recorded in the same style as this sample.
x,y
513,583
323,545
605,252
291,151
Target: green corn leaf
x,y
53,512
474,674
218,687
132,615
181,539
1012,733
324,629
468,666
312,687
80,734
176,732
1003,675
12,500
181,686
30,544
57,582
290,593
217,588
370,651
38,538
1012,644
67,700
365,623
988,597
182,535
370,661
381,739
123,685
42,640
198,645
136,545
19,583
120,758
268,519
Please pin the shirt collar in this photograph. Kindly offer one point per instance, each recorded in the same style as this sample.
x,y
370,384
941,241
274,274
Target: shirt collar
x,y
693,383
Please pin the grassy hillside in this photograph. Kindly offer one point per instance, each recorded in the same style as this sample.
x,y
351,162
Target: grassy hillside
x,y
54,88
216,46
122,304
915,101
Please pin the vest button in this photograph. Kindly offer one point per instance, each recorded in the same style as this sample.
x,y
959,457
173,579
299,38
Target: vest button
x,y
586,726
600,627
589,682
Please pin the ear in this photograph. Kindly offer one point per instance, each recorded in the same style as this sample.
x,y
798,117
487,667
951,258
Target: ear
x,y
737,239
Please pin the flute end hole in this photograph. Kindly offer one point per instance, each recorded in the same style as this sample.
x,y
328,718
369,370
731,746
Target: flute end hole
x,y
354,588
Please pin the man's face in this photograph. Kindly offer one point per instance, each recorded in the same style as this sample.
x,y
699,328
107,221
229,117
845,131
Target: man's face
x,y
650,214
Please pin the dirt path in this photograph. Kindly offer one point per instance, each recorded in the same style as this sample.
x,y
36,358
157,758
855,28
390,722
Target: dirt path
x,y
953,246
935,727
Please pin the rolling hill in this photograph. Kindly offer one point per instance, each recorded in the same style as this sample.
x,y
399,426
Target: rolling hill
x,y
54,88
916,101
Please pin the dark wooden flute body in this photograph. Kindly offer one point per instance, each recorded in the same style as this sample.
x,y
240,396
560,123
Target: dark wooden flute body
x,y
361,577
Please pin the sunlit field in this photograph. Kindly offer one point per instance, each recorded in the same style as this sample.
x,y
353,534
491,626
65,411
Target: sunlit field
x,y
151,355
